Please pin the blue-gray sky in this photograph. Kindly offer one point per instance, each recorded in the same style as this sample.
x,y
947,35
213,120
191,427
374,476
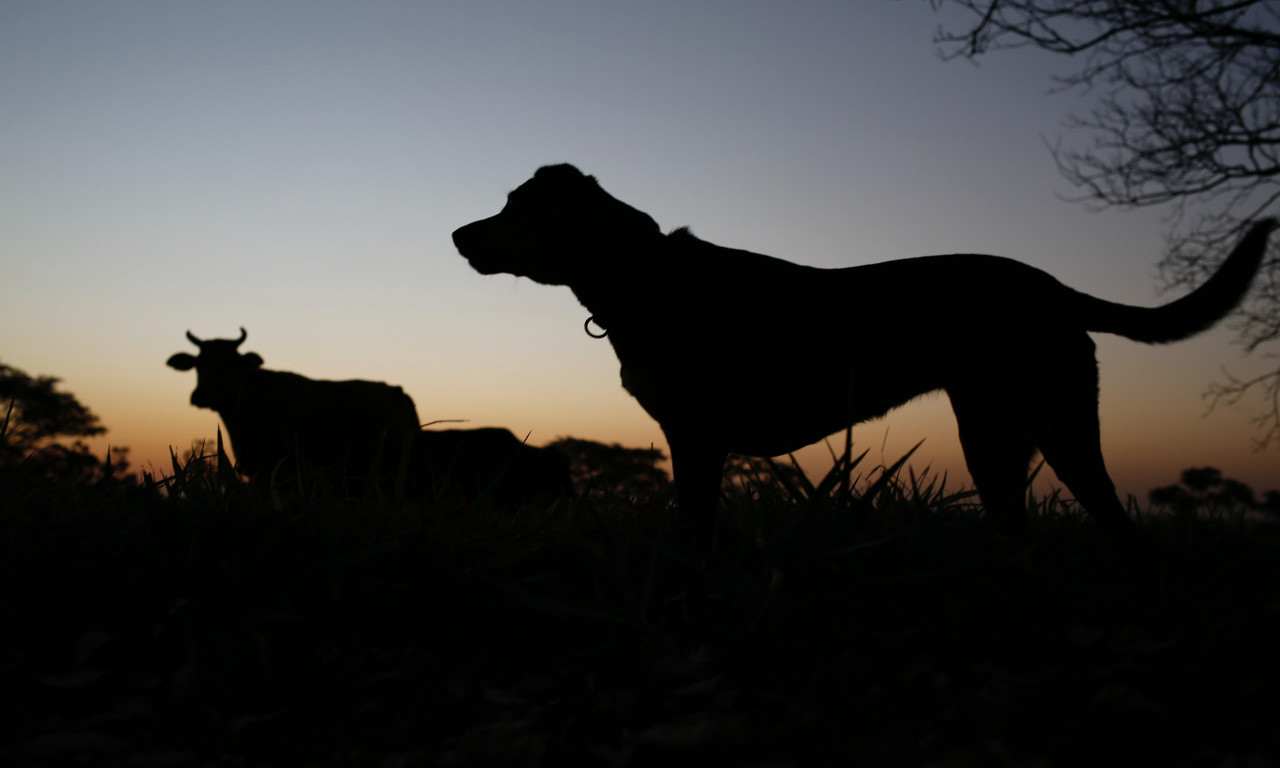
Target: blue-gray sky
x,y
297,167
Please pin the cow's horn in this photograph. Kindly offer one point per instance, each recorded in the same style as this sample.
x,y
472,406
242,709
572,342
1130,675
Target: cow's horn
x,y
193,338
243,335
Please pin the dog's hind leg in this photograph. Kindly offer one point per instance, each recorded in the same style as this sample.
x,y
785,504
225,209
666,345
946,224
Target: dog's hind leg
x,y
1070,439
698,469
997,447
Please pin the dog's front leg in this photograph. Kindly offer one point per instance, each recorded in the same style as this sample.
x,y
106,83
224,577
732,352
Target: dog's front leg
x,y
698,469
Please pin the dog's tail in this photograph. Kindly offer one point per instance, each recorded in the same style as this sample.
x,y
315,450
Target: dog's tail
x,y
1193,313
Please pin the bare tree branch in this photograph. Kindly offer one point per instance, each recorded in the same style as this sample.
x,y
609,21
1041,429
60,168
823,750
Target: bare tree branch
x,y
1187,116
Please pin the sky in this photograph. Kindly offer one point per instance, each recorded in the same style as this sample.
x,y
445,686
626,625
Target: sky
x,y
296,168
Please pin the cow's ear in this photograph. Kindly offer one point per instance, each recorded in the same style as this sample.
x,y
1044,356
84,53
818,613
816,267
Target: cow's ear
x,y
252,359
182,361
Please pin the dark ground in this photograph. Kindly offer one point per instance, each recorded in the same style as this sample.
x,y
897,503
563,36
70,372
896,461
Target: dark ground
x,y
144,630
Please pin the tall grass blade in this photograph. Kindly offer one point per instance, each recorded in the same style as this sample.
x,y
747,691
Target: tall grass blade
x,y
888,474
173,461
797,494
846,489
844,466
226,471
4,427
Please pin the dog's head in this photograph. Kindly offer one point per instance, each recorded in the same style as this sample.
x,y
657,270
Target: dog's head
x,y
553,227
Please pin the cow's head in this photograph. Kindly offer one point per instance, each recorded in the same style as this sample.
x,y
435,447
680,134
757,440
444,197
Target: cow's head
x,y
221,370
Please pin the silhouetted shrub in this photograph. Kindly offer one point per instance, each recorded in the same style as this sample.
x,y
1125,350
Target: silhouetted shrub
x,y
1205,490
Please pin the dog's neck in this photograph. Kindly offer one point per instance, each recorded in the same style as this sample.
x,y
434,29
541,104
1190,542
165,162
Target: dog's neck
x,y
618,287
613,305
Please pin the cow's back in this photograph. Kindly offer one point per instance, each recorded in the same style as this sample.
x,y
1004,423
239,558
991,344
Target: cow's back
x,y
488,463
331,425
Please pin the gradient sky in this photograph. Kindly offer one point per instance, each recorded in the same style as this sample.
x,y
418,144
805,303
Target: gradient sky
x,y
296,168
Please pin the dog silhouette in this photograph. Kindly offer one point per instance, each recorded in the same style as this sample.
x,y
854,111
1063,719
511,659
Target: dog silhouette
x,y
733,351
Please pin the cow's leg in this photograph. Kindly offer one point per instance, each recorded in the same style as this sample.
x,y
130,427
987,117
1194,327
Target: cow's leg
x,y
698,468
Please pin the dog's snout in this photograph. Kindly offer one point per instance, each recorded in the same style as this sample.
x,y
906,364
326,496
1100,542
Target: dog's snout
x,y
475,243
475,239
461,238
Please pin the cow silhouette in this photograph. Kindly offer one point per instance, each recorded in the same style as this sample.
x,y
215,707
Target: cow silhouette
x,y
487,466
278,420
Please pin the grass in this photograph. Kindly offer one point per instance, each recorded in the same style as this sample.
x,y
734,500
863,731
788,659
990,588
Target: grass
x,y
872,618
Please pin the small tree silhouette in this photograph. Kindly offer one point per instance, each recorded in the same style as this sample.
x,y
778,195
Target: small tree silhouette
x,y
1205,489
35,420
601,471
1270,503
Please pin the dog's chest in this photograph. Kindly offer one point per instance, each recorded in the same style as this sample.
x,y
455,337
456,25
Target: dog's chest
x,y
642,384
663,393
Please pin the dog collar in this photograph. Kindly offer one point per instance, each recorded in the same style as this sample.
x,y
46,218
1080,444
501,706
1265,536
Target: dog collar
x,y
587,327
